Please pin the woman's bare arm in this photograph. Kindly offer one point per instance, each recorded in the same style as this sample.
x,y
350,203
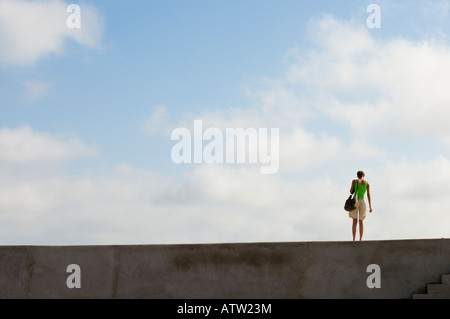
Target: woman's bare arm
x,y
369,197
352,188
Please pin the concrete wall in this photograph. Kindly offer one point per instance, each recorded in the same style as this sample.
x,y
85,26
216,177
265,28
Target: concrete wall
x,y
259,270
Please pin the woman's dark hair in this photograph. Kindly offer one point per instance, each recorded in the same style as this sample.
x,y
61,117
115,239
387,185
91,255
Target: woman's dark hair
x,y
360,174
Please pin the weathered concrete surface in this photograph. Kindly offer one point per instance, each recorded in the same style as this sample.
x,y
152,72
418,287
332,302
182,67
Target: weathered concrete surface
x,y
256,270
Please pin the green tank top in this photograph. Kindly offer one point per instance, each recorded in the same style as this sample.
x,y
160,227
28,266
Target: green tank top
x,y
361,189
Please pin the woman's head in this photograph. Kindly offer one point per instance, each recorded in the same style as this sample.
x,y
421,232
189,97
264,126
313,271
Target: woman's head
x,y
360,175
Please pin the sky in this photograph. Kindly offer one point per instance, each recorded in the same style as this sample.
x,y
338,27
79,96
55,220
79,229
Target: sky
x,y
87,116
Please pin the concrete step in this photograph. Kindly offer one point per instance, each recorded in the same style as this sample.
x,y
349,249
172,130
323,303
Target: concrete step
x,y
438,289
445,279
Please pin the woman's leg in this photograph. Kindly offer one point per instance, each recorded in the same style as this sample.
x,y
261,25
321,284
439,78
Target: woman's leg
x,y
355,223
362,216
361,229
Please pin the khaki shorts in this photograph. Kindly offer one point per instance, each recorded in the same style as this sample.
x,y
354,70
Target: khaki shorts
x,y
361,207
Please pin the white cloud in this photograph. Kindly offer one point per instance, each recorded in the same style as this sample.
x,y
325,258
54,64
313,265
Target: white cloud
x,y
31,30
35,89
436,8
25,145
411,199
394,85
157,122
302,150
124,206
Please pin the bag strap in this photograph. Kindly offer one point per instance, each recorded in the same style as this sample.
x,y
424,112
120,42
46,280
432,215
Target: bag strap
x,y
356,188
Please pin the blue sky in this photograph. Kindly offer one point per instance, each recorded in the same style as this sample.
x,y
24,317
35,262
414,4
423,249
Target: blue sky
x,y
86,118
186,55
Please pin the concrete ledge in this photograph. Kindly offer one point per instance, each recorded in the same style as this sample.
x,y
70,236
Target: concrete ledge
x,y
248,270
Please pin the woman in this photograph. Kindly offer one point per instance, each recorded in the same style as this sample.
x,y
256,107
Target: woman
x,y
361,186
